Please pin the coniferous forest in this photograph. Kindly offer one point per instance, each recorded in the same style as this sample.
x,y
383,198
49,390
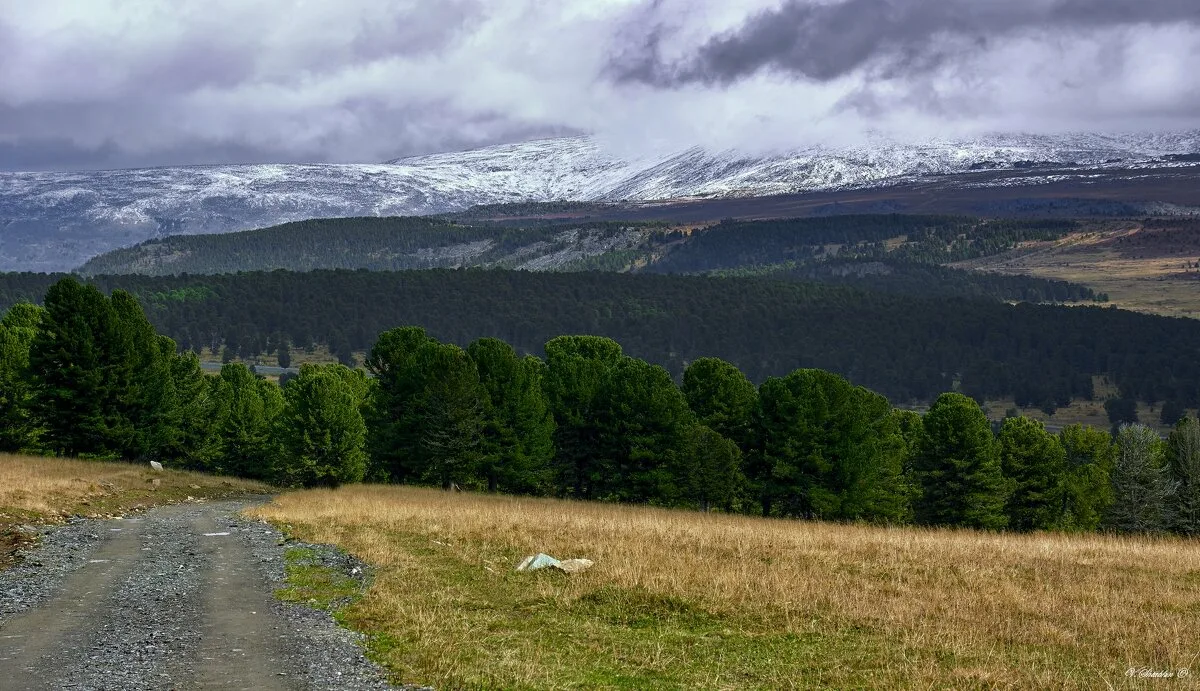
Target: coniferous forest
x,y
87,374
910,348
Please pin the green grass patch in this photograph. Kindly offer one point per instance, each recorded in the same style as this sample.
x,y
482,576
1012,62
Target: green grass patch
x,y
467,625
311,582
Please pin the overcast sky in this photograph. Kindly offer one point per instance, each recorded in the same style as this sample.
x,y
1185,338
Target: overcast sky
x,y
119,83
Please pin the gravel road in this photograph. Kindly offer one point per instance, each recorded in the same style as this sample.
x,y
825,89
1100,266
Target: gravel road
x,y
179,597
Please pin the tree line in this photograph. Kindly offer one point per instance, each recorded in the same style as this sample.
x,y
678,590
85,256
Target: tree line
x,y
909,348
86,375
921,279
930,239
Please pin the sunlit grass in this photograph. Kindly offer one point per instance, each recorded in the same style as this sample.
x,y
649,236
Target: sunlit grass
x,y
681,599
56,486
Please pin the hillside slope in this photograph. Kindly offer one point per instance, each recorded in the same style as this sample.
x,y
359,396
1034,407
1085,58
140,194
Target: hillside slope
x,y
379,244
892,253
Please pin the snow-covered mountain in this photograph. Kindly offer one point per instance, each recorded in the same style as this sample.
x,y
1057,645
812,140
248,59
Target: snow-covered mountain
x,y
55,221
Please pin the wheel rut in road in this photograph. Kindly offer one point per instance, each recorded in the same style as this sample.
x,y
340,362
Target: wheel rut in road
x,y
181,597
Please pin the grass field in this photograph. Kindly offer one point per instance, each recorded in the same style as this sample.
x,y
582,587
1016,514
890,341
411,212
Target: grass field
x,y
689,600
42,490
1109,259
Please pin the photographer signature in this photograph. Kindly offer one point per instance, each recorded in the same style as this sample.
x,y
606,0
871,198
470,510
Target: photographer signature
x,y
1149,673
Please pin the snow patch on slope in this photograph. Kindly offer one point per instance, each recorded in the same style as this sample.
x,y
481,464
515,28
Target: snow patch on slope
x,y
55,221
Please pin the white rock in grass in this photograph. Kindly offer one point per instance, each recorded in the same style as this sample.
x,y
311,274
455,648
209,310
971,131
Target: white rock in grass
x,y
537,561
575,565
156,465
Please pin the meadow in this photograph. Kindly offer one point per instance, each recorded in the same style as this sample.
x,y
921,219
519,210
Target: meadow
x,y
682,599
1140,270
35,490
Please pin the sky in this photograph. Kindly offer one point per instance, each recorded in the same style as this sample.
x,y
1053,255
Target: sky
x,y
130,83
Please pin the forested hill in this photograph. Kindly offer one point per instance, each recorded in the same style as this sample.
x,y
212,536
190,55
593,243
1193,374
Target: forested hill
x,y
893,253
380,244
397,243
908,348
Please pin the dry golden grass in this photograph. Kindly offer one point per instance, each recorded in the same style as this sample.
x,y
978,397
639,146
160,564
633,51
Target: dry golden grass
x,y
1154,284
58,486
1081,412
681,599
34,490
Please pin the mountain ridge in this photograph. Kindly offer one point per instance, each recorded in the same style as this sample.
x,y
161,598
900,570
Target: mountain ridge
x,y
56,221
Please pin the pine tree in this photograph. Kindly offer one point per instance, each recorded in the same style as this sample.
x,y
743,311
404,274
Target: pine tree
x,y
1183,458
322,430
1172,412
958,467
80,368
722,398
148,403
517,445
1141,483
577,369
448,413
643,421
830,450
713,470
877,487
247,409
193,443
911,428
393,434
1034,461
1088,493
284,354
18,429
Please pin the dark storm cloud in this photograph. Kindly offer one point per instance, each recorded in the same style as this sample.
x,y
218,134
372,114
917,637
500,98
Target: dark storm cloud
x,y
892,38
236,83
120,83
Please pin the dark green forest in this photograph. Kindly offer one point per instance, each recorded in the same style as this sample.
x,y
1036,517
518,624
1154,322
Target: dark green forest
x,y
908,348
839,249
923,279
86,375
933,239
384,244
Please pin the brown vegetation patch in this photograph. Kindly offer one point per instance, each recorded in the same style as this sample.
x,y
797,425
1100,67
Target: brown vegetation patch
x,y
681,599
37,490
1140,268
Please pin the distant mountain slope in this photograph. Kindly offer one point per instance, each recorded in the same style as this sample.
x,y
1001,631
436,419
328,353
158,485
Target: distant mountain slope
x,y
891,253
381,244
54,221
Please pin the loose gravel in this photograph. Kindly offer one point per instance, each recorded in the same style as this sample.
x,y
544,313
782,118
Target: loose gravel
x,y
148,628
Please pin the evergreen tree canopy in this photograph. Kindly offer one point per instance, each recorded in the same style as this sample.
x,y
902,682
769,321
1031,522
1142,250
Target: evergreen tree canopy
x,y
958,467
1183,458
713,474
1034,461
1089,455
722,398
394,434
322,429
829,450
448,414
18,328
81,367
577,369
518,429
247,409
643,425
1141,483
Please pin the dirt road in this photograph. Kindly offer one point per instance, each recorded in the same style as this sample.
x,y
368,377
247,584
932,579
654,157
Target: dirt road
x,y
180,597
